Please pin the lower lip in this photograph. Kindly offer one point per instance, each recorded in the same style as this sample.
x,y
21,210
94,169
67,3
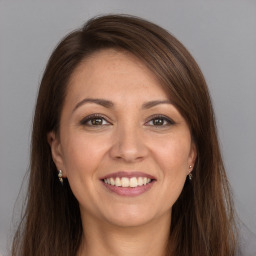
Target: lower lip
x,y
129,191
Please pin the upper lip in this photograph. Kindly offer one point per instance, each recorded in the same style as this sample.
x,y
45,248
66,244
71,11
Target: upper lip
x,y
128,174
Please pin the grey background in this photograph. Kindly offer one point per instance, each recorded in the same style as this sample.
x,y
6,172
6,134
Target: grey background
x,y
221,35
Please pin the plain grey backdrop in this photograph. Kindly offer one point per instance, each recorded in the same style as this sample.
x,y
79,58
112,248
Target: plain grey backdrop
x,y
220,34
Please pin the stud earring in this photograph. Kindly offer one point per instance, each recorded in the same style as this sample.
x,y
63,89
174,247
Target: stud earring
x,y
60,176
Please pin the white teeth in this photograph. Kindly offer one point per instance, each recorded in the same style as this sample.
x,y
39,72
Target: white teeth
x,y
125,182
118,182
128,182
140,181
133,182
112,181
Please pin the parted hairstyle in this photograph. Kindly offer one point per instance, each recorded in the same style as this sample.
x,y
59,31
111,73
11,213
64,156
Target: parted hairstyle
x,y
203,222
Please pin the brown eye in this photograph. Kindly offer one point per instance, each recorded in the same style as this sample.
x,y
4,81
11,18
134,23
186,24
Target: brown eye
x,y
159,121
94,121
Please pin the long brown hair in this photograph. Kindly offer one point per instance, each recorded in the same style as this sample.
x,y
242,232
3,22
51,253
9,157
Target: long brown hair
x,y
202,217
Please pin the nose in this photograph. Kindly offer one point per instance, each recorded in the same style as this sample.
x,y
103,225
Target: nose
x,y
129,144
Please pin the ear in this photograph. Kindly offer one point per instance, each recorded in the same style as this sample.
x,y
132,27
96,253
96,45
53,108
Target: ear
x,y
192,156
57,155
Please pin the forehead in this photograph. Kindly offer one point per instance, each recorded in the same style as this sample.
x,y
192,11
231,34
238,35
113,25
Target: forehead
x,y
114,74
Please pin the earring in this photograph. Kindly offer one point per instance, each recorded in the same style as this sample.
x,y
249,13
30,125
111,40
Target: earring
x,y
190,175
60,177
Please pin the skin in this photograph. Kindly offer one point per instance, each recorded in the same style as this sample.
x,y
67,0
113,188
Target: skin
x,y
128,137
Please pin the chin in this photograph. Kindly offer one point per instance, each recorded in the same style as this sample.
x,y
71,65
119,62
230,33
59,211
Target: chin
x,y
130,222
131,217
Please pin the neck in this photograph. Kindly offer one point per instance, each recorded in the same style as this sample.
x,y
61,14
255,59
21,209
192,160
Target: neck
x,y
102,238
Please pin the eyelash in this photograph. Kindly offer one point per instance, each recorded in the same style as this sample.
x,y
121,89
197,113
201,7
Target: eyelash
x,y
92,117
161,117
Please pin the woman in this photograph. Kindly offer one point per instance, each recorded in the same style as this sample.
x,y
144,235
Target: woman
x,y
125,158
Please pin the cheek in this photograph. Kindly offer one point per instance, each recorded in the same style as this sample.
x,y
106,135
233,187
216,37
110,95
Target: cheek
x,y
174,166
173,155
82,154
82,158
172,158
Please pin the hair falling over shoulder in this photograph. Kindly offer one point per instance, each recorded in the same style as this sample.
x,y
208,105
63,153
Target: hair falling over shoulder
x,y
203,219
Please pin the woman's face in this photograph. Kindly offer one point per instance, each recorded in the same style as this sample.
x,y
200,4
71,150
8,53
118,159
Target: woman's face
x,y
119,126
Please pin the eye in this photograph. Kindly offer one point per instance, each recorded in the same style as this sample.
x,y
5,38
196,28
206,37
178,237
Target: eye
x,y
94,120
160,120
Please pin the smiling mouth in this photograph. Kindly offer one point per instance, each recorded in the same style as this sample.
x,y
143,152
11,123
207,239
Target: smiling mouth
x,y
126,182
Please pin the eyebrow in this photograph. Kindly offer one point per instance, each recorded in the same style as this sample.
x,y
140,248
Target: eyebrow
x,y
154,103
102,102
110,104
